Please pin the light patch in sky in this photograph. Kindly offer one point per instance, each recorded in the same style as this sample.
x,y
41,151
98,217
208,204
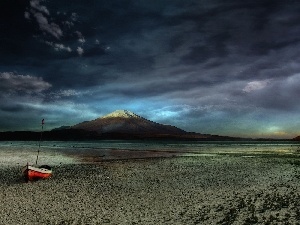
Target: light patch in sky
x,y
50,28
80,51
275,131
166,114
36,5
58,47
256,85
64,93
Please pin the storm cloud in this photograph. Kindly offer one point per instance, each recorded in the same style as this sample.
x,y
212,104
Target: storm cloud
x,y
220,67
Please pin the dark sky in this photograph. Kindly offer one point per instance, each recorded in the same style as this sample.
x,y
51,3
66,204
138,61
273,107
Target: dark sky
x,y
210,66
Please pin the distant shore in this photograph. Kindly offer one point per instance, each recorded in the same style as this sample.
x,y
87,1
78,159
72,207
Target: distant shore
x,y
84,135
218,189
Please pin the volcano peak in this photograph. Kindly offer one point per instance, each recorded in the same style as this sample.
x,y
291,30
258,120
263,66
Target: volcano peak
x,y
121,114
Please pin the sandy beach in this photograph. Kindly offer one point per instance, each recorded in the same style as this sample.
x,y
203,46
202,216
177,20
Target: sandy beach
x,y
208,189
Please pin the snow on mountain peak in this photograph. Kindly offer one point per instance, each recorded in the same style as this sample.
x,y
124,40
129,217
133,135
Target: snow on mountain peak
x,y
122,114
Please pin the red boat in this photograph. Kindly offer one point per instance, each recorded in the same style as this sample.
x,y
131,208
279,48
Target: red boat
x,y
32,173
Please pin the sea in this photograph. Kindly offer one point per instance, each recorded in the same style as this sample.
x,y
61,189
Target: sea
x,y
64,152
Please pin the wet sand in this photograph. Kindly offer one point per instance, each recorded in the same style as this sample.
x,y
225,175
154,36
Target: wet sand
x,y
208,189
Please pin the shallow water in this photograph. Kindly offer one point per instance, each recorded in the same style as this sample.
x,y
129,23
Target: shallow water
x,y
195,146
67,152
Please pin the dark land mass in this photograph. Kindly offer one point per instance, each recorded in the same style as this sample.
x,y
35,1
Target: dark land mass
x,y
76,134
296,138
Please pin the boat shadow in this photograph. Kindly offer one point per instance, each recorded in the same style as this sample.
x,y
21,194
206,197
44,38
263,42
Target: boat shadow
x,y
12,176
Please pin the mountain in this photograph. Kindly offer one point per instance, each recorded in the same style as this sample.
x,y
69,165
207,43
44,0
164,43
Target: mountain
x,y
126,122
123,124
120,124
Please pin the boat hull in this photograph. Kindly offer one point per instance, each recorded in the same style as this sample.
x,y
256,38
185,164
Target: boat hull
x,y
32,173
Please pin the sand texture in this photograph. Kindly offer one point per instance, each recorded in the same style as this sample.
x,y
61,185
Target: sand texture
x,y
179,190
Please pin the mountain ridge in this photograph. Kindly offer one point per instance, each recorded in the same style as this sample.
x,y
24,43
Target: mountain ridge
x,y
124,121
123,124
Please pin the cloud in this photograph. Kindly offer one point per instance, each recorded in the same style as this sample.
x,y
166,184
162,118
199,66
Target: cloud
x,y
229,58
58,47
80,51
256,85
74,16
51,28
61,26
12,83
36,5
62,47
79,34
68,24
81,40
40,13
280,95
12,107
64,93
27,15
